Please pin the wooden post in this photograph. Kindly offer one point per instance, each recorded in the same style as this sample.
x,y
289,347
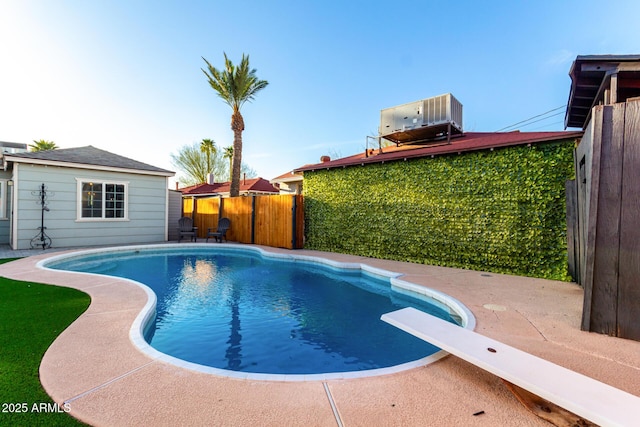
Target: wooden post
x,y
253,219
629,259
613,96
603,228
293,222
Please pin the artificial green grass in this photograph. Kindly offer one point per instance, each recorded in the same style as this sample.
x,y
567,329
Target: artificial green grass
x,y
32,315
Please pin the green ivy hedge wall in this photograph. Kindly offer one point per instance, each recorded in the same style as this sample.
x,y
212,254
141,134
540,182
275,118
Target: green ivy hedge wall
x,y
501,211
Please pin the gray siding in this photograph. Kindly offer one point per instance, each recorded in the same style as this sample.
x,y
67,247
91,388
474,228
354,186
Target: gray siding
x,y
146,208
5,223
175,212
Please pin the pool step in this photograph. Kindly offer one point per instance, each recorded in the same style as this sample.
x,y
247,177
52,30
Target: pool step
x,y
593,400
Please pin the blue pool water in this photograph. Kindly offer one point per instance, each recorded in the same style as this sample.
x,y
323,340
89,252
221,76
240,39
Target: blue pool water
x,y
240,311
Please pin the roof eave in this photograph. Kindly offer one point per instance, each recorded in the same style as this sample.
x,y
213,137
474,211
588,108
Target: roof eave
x,y
200,194
381,158
288,179
9,158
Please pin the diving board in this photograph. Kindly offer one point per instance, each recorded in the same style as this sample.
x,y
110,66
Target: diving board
x,y
588,398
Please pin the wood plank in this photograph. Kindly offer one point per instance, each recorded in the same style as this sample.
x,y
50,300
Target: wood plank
x,y
590,399
607,233
572,228
206,214
187,207
629,275
238,210
299,221
592,186
583,156
614,88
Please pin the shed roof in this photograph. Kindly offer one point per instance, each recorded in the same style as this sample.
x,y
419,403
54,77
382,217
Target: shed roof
x,y
591,79
87,158
470,141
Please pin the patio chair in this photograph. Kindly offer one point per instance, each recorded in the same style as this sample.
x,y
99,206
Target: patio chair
x,y
221,231
186,228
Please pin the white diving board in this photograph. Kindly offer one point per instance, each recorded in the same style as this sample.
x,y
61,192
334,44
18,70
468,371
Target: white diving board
x,y
588,398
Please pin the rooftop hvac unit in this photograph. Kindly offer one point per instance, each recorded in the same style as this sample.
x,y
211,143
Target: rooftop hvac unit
x,y
423,120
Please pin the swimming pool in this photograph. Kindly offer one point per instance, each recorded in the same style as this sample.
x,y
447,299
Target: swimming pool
x,y
252,313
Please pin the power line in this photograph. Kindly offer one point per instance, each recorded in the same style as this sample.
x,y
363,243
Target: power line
x,y
544,118
534,117
548,125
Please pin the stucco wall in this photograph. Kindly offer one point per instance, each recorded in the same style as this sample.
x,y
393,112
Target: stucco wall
x,y
146,208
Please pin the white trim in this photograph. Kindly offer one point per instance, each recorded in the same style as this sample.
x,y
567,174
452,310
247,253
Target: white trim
x,y
102,220
3,199
296,178
166,211
85,166
79,218
14,208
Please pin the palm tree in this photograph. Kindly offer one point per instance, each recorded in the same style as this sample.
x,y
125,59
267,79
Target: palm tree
x,y
228,154
235,85
43,145
208,147
195,167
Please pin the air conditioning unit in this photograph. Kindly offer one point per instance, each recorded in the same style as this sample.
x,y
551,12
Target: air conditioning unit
x,y
421,121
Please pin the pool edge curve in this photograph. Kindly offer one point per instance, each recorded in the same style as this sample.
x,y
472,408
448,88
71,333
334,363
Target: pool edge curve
x,y
147,312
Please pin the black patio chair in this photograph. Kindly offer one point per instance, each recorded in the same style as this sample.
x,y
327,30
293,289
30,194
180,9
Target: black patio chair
x,y
220,232
186,228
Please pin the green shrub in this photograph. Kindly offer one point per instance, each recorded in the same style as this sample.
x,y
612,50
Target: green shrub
x,y
500,211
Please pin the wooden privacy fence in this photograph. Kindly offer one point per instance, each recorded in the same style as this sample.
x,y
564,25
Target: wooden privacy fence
x,y
276,221
602,220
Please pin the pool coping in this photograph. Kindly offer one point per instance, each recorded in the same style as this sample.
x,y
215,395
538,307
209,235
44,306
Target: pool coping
x,y
94,366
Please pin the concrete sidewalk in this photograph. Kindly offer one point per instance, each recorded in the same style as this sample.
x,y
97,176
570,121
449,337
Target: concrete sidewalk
x,y
106,380
7,252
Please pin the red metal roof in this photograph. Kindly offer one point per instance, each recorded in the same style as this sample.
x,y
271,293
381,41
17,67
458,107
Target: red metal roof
x,y
255,185
470,141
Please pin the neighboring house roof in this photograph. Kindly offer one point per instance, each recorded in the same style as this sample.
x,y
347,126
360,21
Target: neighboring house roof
x,y
253,185
199,190
87,157
8,147
288,177
470,141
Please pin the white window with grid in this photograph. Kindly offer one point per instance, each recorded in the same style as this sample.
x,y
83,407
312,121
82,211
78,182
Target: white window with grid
x,y
100,200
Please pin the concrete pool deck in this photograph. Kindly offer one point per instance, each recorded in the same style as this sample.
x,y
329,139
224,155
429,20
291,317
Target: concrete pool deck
x,y
107,381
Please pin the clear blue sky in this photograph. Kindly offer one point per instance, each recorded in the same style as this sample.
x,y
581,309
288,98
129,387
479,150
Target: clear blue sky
x,y
125,76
